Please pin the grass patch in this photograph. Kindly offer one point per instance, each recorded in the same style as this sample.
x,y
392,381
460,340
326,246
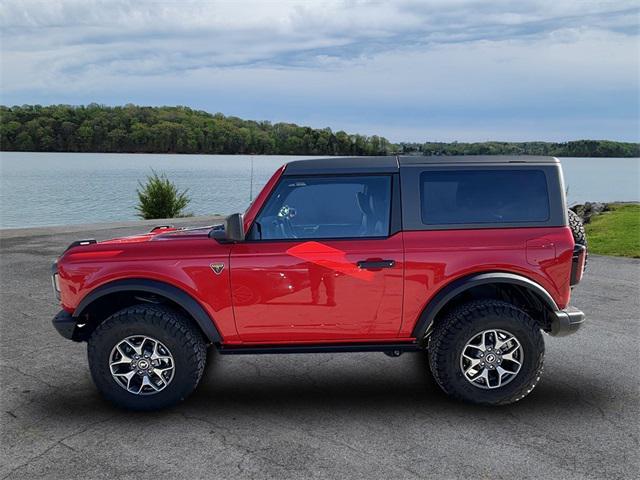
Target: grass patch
x,y
616,232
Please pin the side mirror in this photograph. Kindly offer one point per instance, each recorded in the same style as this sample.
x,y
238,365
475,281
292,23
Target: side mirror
x,y
232,230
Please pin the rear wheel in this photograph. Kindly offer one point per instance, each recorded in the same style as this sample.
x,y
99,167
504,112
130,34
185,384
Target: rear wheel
x,y
146,357
488,352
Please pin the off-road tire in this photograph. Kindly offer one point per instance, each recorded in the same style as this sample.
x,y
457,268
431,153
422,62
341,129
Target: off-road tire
x,y
174,330
577,228
460,325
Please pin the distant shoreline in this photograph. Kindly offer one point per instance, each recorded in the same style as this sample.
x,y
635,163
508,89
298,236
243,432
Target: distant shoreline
x,y
177,154
180,130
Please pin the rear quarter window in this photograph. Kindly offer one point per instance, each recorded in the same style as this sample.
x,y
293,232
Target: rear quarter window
x,y
450,197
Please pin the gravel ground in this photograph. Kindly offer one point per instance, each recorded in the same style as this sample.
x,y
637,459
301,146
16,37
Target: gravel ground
x,y
337,416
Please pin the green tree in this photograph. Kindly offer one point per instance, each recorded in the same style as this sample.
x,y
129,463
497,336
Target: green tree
x,y
160,198
132,128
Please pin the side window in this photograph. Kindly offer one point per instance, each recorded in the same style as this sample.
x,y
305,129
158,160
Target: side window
x,y
326,207
483,196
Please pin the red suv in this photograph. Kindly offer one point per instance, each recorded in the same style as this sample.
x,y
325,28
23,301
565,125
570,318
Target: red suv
x,y
467,258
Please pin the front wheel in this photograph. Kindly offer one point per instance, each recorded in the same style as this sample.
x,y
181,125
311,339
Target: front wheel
x,y
146,357
488,352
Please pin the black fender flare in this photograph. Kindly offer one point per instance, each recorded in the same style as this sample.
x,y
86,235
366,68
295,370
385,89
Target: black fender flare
x,y
440,300
175,294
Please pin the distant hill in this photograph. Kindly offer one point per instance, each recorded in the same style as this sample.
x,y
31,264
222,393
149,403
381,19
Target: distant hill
x,y
136,129
577,148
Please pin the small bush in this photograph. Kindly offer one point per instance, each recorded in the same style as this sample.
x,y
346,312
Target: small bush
x,y
160,198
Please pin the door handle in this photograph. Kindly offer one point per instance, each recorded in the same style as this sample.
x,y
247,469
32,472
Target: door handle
x,y
375,264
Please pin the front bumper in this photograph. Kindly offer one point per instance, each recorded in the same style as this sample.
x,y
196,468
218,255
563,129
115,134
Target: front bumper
x,y
65,324
567,321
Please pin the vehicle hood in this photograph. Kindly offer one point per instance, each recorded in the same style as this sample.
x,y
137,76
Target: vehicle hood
x,y
160,241
162,234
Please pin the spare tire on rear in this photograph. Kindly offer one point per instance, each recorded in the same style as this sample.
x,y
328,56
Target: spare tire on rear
x,y
577,228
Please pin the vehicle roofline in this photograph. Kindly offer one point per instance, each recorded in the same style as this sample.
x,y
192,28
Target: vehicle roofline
x,y
476,159
392,164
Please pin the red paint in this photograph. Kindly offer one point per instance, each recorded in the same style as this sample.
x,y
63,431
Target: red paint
x,y
308,291
436,258
181,259
329,258
275,292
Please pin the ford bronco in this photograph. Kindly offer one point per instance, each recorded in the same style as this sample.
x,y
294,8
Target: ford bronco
x,y
469,259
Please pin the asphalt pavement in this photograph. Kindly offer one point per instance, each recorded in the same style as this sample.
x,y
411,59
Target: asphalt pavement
x,y
361,415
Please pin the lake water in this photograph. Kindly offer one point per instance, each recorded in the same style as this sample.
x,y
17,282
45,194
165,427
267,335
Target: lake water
x,y
39,189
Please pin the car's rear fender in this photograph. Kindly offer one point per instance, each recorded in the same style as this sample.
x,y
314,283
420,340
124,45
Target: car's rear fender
x,y
530,293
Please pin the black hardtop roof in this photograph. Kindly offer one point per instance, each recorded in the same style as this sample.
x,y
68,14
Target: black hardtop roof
x,y
342,165
391,164
442,159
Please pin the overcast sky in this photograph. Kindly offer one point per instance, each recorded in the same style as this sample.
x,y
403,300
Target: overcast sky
x,y
409,70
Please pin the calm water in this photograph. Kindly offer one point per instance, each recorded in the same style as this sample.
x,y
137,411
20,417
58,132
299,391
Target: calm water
x,y
38,189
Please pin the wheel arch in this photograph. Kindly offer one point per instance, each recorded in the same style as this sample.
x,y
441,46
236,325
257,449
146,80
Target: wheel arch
x,y
113,296
526,292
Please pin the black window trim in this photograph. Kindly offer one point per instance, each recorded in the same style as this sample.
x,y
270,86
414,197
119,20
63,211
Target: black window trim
x,y
395,210
412,202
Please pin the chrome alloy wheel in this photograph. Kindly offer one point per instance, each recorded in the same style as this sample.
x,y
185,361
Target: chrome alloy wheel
x,y
491,359
141,365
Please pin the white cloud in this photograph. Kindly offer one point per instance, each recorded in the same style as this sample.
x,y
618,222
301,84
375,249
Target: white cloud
x,y
329,62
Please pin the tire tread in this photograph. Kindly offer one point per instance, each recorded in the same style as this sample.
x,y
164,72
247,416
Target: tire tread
x,y
462,318
171,321
577,228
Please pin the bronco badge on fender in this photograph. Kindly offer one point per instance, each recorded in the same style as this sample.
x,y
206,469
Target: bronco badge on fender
x,y
217,268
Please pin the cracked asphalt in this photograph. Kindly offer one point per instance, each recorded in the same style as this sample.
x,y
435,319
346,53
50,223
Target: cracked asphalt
x,y
337,416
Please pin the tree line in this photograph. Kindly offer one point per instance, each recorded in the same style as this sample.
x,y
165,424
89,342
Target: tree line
x,y
577,148
136,129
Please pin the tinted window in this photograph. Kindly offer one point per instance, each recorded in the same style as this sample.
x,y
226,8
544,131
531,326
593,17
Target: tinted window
x,y
484,196
326,207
